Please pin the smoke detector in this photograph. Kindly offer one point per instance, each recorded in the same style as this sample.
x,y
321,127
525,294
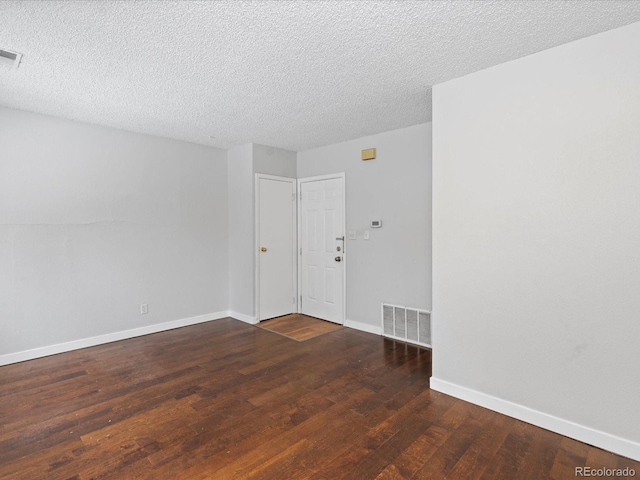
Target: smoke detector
x,y
9,59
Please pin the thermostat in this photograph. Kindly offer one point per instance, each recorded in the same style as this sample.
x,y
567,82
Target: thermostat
x,y
376,223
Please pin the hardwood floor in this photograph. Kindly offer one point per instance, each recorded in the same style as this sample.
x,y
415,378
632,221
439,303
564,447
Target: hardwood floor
x,y
299,327
226,400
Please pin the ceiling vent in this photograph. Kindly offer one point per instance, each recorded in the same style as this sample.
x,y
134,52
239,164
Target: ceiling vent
x,y
9,59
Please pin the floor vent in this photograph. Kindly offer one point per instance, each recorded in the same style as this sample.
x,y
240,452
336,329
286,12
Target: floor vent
x,y
406,324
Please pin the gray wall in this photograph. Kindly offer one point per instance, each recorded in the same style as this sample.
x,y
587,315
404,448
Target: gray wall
x,y
394,265
241,232
274,161
95,221
536,234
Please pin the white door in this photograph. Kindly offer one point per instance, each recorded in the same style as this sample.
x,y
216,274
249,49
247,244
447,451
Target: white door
x,y
276,246
322,260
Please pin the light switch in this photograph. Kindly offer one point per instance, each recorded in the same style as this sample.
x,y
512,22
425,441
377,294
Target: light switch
x,y
366,234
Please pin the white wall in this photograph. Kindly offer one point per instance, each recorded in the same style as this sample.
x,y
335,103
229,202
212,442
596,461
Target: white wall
x,y
536,238
244,162
394,265
95,221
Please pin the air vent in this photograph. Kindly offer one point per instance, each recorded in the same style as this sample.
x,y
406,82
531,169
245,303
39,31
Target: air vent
x,y
407,324
9,59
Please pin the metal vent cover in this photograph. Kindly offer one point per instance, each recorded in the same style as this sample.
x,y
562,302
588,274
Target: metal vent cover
x,y
9,59
407,324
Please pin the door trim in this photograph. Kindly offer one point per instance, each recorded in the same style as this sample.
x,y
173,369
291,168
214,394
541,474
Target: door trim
x,y
256,189
332,176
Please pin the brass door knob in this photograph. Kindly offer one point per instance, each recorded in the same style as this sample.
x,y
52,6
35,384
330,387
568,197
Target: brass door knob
x,y
338,259
263,249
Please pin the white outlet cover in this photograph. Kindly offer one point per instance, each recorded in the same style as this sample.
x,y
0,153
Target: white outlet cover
x,y
366,234
352,235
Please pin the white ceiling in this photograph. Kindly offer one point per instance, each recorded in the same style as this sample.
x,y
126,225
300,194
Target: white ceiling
x,y
294,75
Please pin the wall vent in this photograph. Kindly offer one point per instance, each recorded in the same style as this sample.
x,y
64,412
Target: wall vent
x,y
9,59
407,324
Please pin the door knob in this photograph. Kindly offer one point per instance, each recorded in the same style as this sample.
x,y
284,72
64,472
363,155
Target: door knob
x,y
263,249
338,259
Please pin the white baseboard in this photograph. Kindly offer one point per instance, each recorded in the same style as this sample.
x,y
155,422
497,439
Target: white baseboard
x,y
365,327
606,441
106,338
242,317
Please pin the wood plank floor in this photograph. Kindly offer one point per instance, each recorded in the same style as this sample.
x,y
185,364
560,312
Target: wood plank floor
x,y
226,400
299,327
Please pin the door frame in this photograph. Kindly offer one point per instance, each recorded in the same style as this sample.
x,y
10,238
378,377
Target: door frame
x,y
300,181
294,220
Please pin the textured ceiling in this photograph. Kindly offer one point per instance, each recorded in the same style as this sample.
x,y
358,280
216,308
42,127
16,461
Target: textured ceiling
x,y
294,75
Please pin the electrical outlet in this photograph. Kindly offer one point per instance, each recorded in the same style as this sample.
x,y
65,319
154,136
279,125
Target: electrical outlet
x,y
352,235
144,308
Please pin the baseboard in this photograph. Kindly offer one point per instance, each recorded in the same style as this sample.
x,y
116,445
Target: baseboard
x,y
242,317
106,338
364,327
606,441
